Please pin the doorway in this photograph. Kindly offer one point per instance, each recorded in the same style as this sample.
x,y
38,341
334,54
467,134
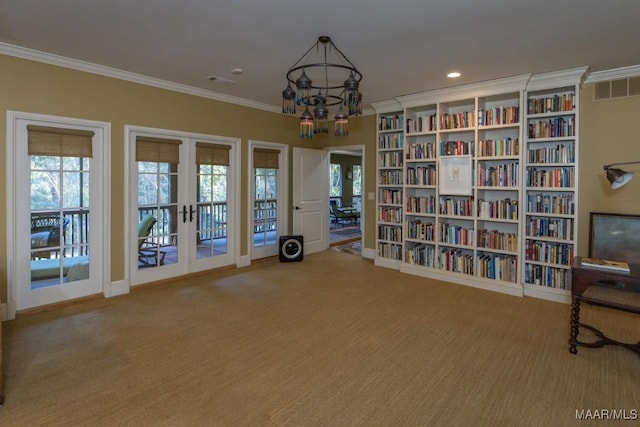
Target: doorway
x,y
267,197
183,203
56,175
346,178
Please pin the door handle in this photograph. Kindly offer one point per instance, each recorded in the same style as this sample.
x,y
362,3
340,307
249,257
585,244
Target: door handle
x,y
184,213
297,208
191,212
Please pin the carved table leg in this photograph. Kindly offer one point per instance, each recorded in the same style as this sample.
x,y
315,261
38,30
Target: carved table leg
x,y
575,324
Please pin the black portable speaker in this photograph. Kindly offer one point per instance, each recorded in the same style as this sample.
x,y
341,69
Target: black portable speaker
x,y
291,248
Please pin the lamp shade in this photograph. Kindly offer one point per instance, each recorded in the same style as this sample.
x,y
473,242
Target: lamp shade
x,y
618,177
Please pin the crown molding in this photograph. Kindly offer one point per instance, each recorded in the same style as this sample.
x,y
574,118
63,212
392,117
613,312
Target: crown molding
x,y
88,67
568,77
613,74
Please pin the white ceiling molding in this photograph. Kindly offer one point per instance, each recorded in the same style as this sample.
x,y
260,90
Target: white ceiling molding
x,y
60,61
614,74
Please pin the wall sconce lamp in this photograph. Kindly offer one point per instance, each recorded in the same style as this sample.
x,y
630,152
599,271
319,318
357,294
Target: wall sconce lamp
x,y
617,177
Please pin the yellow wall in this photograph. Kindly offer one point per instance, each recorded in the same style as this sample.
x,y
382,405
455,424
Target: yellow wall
x,y
34,87
609,133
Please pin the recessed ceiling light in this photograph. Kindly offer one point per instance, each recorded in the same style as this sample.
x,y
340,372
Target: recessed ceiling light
x,y
237,71
454,75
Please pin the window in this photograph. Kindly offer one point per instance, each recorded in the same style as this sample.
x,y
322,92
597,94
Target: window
x,y
335,175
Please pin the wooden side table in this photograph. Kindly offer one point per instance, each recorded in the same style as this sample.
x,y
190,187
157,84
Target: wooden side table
x,y
606,288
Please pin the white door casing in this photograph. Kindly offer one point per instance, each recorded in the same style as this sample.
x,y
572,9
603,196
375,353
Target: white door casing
x,y
21,293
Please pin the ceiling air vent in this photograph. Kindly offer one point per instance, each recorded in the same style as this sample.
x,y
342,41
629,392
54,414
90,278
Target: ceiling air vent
x,y
616,89
221,80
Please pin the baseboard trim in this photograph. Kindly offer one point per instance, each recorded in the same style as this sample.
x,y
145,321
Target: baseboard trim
x,y
368,253
116,289
244,261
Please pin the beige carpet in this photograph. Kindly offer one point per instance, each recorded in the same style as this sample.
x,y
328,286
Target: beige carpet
x,y
330,341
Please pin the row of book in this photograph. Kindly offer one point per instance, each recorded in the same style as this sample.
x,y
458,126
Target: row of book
x,y
561,153
390,214
391,141
390,233
549,252
504,175
500,147
458,207
456,148
390,196
421,175
465,119
498,267
455,235
390,251
551,178
456,261
551,104
494,239
390,177
390,122
562,204
421,124
390,159
419,230
558,228
498,209
421,204
549,277
498,116
553,128
421,254
425,150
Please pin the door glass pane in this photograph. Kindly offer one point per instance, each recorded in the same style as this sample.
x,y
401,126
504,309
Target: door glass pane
x,y
265,209
211,227
60,213
157,240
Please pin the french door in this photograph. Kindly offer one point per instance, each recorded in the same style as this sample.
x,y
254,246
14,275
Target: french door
x,y
183,203
56,217
268,197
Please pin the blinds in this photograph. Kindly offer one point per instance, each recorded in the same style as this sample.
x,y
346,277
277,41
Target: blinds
x,y
51,141
212,154
265,158
162,150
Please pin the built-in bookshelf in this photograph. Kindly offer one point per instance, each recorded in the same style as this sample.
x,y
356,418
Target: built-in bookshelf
x,y
462,188
390,184
488,184
550,225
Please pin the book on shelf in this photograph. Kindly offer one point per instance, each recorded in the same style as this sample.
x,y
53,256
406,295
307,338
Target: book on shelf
x,y
605,264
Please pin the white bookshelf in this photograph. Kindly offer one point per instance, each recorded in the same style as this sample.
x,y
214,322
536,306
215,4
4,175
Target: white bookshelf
x,y
469,233
550,220
390,184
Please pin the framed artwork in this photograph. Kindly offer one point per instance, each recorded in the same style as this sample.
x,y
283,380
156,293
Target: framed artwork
x,y
455,175
614,237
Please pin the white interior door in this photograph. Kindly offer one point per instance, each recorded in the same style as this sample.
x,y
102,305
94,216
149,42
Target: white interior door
x,y
58,215
310,198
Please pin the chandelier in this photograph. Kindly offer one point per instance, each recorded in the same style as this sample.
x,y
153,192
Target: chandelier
x,y
323,77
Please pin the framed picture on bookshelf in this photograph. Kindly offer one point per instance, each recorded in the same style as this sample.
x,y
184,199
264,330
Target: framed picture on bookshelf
x,y
455,175
614,237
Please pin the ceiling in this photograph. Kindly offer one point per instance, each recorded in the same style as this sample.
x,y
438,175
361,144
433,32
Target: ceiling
x,y
401,46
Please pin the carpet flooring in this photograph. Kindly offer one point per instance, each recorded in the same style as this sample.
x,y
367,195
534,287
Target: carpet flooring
x,y
330,341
